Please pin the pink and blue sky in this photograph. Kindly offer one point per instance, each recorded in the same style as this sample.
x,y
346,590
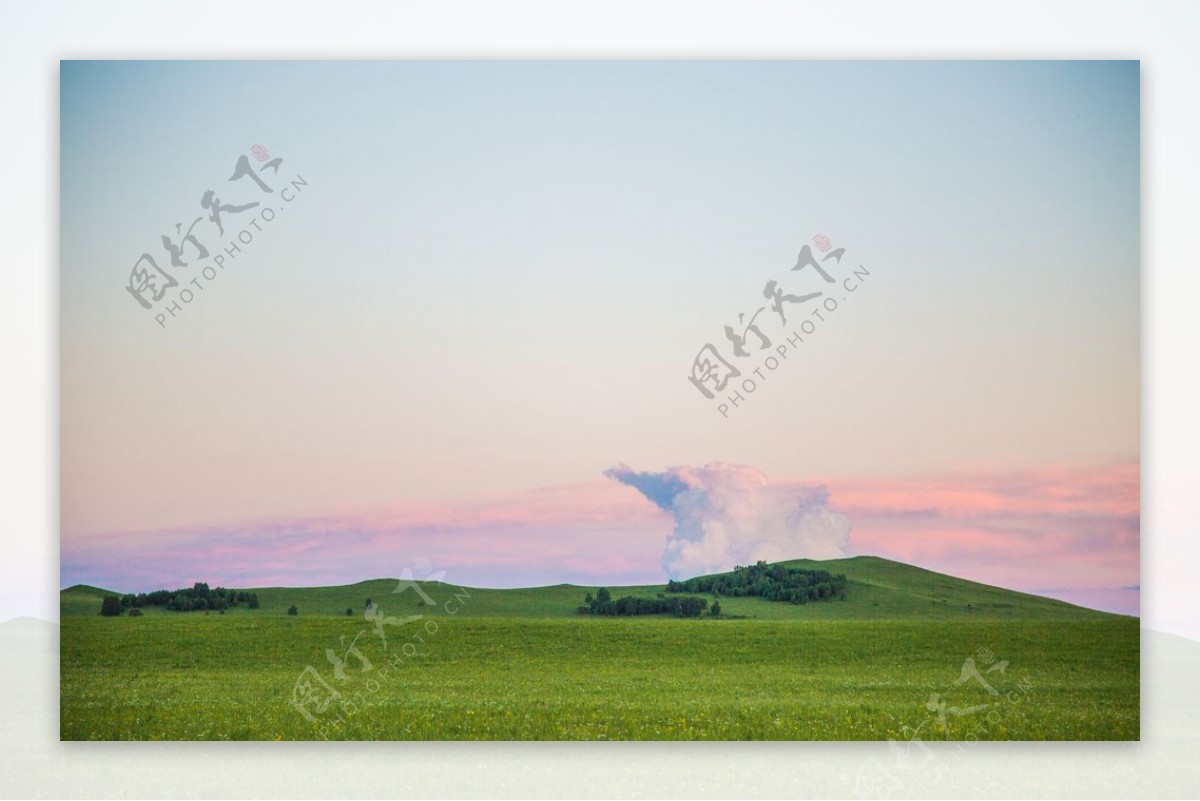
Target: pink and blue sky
x,y
491,291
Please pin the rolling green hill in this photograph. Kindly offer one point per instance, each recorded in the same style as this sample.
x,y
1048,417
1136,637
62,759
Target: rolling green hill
x,y
879,589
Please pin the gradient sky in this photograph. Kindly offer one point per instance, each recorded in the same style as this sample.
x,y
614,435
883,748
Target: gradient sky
x,y
494,284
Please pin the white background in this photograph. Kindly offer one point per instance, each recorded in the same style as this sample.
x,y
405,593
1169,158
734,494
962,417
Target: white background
x,y
34,36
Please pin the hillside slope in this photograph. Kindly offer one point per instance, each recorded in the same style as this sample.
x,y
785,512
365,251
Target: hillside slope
x,y
878,589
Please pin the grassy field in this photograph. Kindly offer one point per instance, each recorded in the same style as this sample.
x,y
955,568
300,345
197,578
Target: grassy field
x,y
522,664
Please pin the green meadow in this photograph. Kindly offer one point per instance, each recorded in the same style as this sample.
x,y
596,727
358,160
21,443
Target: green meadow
x,y
909,654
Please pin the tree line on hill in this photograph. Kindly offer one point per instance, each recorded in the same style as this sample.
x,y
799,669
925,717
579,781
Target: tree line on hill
x,y
685,606
772,582
198,598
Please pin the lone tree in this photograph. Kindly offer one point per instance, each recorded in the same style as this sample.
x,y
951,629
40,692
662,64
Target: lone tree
x,y
292,610
603,595
715,611
110,606
349,613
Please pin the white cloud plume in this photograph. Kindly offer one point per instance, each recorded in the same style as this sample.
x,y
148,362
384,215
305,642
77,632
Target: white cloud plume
x,y
729,514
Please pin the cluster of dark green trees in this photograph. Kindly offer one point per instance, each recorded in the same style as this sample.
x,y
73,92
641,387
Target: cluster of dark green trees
x,y
197,598
773,582
685,606
111,606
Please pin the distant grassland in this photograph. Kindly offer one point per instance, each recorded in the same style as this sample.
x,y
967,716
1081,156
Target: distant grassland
x,y
878,589
523,664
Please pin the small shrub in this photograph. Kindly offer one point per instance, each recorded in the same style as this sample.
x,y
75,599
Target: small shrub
x,y
292,610
135,612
